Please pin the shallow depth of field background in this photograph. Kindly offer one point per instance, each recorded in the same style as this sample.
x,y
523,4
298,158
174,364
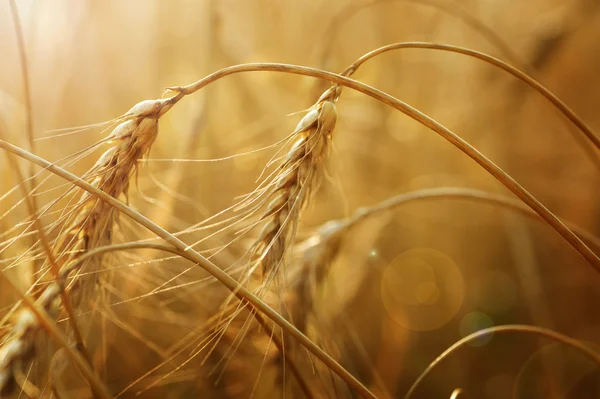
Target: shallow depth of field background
x,y
410,282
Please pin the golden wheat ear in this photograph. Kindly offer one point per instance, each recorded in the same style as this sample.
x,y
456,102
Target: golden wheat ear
x,y
297,177
89,226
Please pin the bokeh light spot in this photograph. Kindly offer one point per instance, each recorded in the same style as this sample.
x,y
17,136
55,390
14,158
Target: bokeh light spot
x,y
422,289
427,293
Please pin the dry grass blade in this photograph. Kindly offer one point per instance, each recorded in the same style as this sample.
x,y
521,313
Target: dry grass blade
x,y
25,72
517,328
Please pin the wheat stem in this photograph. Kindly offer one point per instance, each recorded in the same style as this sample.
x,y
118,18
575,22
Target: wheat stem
x,y
31,200
24,72
451,9
466,194
89,226
98,251
515,328
420,117
182,249
560,105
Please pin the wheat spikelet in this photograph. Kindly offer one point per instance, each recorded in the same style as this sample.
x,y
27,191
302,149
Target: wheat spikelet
x,y
317,253
297,177
89,227
287,193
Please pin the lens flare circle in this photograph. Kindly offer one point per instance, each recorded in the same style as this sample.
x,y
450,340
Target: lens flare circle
x,y
422,289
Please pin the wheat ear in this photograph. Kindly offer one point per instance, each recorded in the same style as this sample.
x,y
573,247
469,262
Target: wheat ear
x,y
316,254
90,226
297,177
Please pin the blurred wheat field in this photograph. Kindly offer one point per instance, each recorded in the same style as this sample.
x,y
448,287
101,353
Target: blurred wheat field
x,y
381,243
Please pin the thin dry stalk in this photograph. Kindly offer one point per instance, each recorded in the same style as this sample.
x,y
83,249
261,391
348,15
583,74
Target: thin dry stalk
x,y
294,183
423,119
318,252
514,328
182,249
522,76
89,227
463,193
399,105
452,8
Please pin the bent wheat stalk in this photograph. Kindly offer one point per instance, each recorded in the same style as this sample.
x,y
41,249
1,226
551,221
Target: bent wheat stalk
x,y
243,293
89,227
317,253
509,328
517,73
182,249
424,120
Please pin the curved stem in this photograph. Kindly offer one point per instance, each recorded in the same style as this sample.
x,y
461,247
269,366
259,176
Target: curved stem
x,y
420,117
562,107
444,6
469,194
54,268
515,328
235,287
458,393
168,248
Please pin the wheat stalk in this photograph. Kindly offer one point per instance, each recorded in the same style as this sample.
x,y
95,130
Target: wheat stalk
x,y
297,177
546,333
316,254
482,160
286,192
89,227
424,120
178,247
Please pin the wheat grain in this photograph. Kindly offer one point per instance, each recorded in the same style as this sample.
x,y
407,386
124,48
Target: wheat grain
x,y
89,227
296,179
